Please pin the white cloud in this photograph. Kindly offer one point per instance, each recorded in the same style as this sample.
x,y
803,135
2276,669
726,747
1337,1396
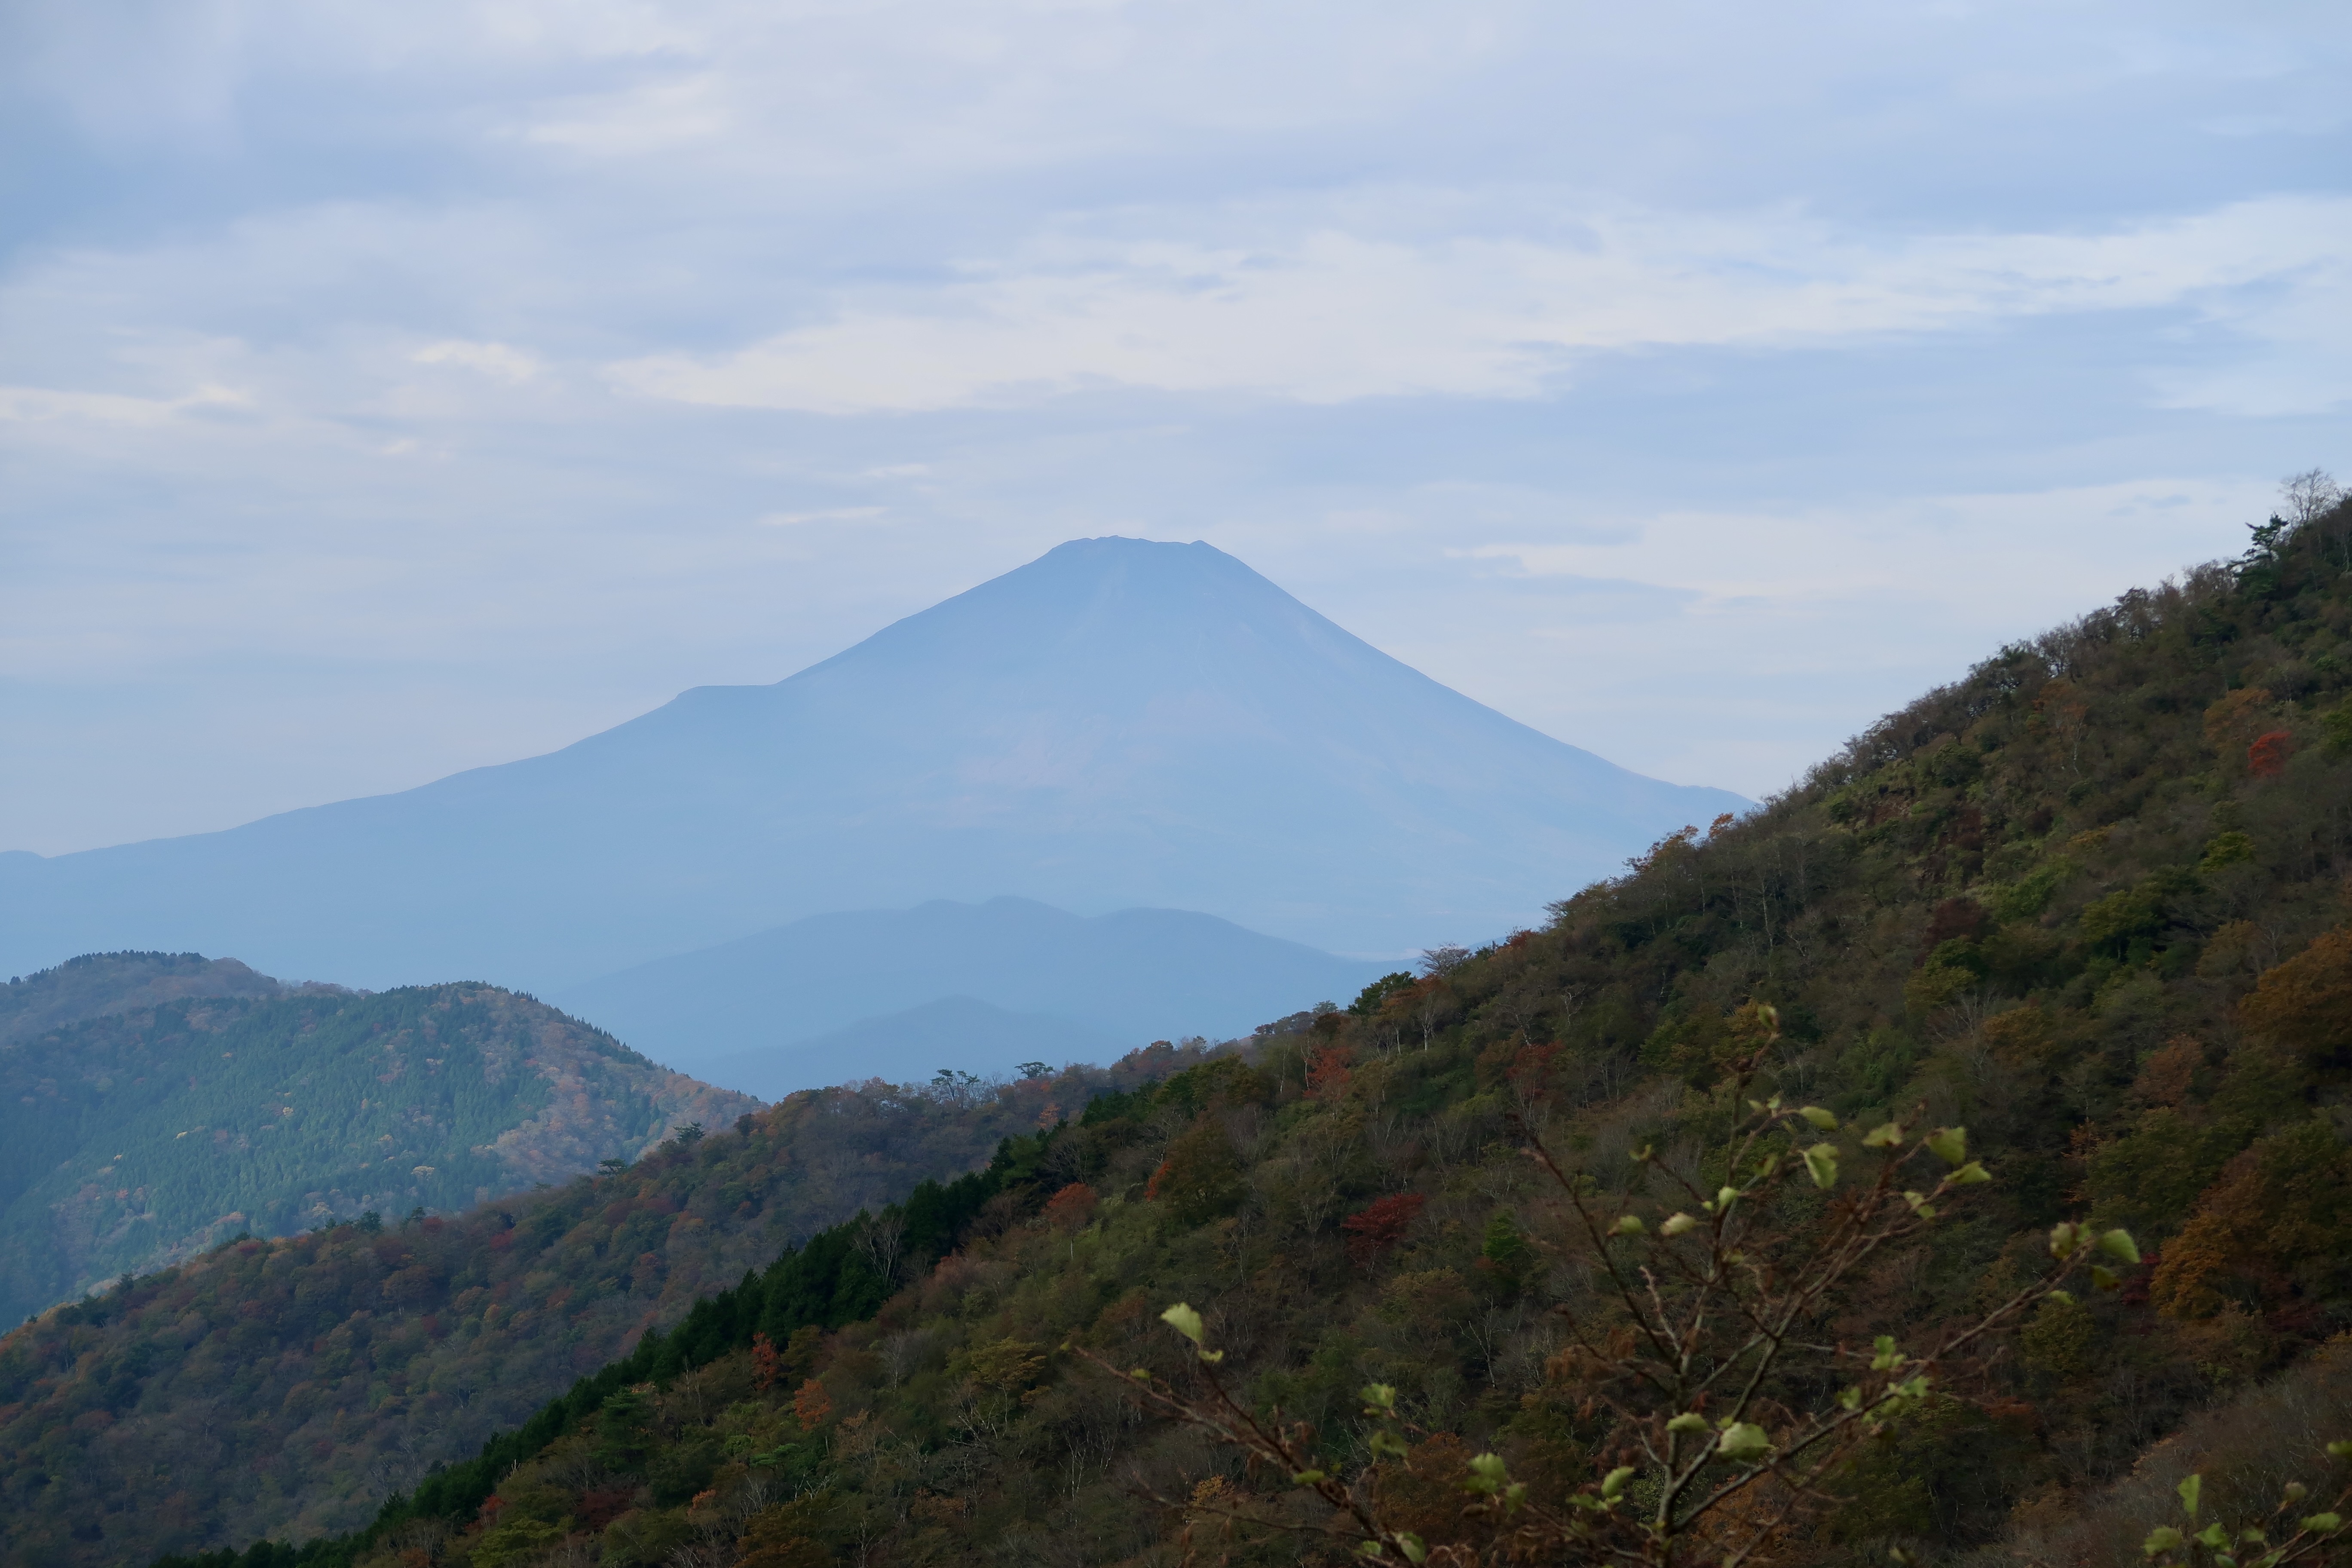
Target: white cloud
x,y
33,404
501,360
833,514
1327,317
1819,565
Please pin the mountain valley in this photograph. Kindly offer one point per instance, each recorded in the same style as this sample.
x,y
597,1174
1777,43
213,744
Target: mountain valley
x,y
898,993
2082,919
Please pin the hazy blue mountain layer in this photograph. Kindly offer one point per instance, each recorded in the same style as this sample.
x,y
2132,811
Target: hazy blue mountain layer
x,y
954,1034
217,1102
1118,723
1023,972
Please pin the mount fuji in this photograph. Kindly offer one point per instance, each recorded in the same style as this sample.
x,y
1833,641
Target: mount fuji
x,y
1120,723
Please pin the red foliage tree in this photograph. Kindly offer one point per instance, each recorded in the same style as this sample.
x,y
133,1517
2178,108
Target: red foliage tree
x,y
2266,758
1071,1206
1381,1226
1530,1071
1327,1071
765,1359
812,1405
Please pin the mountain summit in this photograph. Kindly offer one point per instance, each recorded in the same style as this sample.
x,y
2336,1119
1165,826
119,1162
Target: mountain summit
x,y
1119,722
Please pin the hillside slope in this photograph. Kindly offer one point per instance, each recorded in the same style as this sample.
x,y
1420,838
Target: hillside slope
x,y
2090,902
289,1386
197,1100
1118,723
1114,982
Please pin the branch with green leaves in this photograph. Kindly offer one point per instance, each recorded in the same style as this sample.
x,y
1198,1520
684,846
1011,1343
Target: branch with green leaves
x,y
1723,1409
2288,1535
1716,1338
1287,1449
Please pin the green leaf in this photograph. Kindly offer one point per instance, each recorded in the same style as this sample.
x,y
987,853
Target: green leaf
x,y
1380,1399
1819,1117
1490,1469
1850,1399
1726,1198
2323,1523
2190,1491
1410,1544
1141,1374
1385,1442
2119,1244
2065,1237
1677,1224
2104,1278
1886,1135
1631,1224
1969,1175
2213,1535
1888,1358
2163,1538
1821,1164
1743,1441
2340,1450
1614,1481
2064,1297
1308,1477
1184,1320
1688,1421
1949,1145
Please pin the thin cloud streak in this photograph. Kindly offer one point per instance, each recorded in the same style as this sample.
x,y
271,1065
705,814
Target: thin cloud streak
x,y
1334,316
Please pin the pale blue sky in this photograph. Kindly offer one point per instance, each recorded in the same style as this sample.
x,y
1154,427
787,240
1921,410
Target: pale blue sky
x,y
386,390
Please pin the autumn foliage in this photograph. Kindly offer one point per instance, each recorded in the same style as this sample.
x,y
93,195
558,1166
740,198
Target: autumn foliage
x,y
1070,1208
812,1405
1327,1072
1374,1230
2266,758
2306,1004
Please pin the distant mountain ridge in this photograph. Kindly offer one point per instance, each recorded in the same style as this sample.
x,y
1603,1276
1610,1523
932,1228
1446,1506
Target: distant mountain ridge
x,y
97,984
840,997
1118,723
173,1101
952,1033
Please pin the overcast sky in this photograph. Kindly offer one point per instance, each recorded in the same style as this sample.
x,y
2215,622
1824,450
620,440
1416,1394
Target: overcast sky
x,y
386,390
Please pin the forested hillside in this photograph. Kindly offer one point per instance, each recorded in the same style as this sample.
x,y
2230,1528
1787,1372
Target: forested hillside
x,y
289,1386
97,983
2089,902
154,1105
